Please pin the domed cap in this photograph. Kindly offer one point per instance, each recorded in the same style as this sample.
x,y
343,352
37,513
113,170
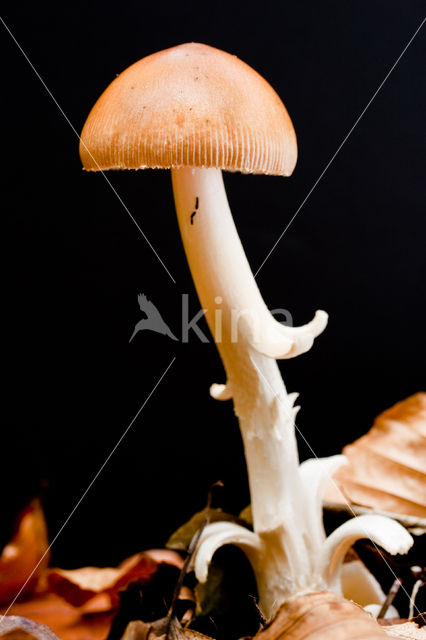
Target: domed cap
x,y
191,105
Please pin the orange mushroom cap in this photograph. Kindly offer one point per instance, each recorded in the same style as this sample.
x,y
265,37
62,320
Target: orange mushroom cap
x,y
191,105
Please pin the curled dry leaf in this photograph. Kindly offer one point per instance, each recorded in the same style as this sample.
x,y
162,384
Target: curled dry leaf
x,y
96,590
27,549
164,628
406,631
66,621
138,630
387,466
321,616
79,586
18,628
75,605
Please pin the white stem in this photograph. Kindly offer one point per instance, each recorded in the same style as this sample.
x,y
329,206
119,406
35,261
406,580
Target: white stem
x,y
288,549
237,315
244,330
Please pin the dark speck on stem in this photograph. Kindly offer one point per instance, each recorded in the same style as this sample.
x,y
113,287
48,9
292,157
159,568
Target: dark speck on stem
x,y
197,200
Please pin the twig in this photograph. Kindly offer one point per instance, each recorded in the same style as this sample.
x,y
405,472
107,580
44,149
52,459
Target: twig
x,y
390,597
259,611
191,550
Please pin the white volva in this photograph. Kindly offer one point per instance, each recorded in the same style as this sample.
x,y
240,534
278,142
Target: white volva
x,y
288,549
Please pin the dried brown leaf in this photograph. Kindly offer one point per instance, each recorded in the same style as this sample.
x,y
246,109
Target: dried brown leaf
x,y
79,586
172,630
18,628
137,630
387,466
66,621
27,549
406,631
321,616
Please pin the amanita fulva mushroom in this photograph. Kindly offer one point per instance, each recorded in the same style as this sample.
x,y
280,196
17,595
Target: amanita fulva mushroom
x,y
197,110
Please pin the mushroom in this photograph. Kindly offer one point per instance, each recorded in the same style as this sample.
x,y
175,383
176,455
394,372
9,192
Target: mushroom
x,y
197,110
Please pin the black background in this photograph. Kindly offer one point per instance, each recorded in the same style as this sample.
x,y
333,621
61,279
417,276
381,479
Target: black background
x,y
75,262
